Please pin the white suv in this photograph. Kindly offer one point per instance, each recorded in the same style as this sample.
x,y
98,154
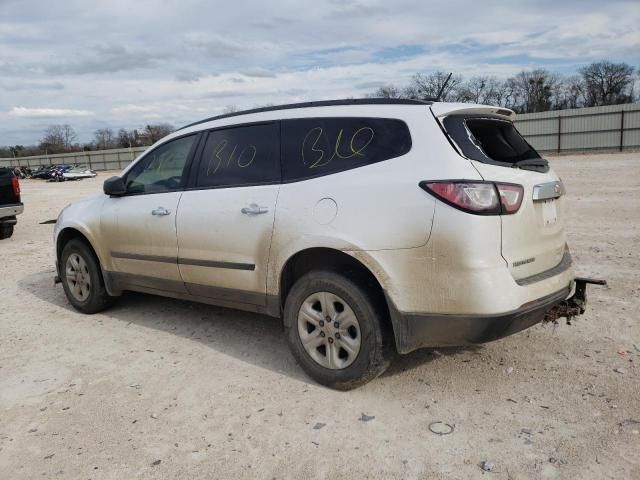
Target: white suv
x,y
369,226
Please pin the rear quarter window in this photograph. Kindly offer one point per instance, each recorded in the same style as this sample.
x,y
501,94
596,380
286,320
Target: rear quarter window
x,y
313,147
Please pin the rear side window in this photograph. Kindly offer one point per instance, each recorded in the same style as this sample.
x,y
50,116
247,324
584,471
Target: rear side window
x,y
245,155
494,141
313,147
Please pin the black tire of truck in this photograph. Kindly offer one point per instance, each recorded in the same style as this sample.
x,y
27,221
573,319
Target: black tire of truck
x,y
6,231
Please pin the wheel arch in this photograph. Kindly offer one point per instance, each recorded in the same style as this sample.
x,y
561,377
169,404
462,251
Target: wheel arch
x,y
69,233
66,235
322,258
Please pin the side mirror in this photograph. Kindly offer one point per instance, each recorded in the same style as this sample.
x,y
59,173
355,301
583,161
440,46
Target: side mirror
x,y
114,186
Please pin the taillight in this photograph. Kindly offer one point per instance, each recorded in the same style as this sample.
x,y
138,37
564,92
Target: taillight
x,y
16,187
510,197
480,198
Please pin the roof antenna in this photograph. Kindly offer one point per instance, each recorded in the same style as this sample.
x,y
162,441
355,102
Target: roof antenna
x,y
444,85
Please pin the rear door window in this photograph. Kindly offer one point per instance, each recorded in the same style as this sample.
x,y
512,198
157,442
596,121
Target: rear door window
x,y
494,141
312,147
240,156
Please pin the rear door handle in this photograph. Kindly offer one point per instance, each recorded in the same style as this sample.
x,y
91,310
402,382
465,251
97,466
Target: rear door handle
x,y
160,211
254,209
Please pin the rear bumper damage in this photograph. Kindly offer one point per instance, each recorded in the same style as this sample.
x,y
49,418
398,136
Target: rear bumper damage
x,y
417,330
575,305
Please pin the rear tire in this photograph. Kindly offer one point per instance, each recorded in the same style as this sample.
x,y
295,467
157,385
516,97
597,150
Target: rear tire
x,y
348,342
6,231
82,278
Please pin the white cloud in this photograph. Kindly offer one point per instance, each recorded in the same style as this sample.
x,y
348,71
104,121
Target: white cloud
x,y
132,108
48,112
190,58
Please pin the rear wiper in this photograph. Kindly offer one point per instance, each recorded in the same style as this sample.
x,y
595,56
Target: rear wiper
x,y
532,164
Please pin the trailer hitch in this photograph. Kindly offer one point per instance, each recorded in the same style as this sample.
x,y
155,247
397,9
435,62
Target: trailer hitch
x,y
573,306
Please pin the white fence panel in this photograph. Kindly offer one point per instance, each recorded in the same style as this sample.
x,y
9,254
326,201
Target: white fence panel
x,y
612,127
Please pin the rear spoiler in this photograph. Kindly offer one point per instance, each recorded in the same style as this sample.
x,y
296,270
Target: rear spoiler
x,y
441,110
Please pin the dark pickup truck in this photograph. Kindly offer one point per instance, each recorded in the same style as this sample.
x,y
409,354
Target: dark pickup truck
x,y
10,204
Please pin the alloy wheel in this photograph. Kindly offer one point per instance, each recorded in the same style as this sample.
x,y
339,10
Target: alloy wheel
x,y
329,330
78,277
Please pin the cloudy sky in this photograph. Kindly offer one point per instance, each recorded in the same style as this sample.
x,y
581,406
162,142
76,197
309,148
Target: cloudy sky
x,y
124,63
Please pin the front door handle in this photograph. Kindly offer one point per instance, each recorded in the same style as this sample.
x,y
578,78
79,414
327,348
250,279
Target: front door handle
x,y
254,209
160,211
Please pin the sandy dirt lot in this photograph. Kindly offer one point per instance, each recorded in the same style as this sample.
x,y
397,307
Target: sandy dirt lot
x,y
159,388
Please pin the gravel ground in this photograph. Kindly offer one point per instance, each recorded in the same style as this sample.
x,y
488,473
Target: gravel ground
x,y
159,388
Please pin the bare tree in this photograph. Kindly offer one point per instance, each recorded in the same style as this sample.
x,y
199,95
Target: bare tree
x,y
424,87
69,135
153,133
483,90
58,138
573,93
230,109
528,91
124,139
533,91
131,138
387,91
16,150
608,83
53,139
511,95
502,94
472,90
104,138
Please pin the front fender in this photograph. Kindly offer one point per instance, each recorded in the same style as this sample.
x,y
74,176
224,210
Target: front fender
x,y
84,217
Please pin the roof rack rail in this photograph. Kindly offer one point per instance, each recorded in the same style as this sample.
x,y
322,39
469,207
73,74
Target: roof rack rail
x,y
321,103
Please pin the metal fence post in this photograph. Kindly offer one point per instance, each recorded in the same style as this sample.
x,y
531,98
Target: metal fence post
x,y
559,131
621,129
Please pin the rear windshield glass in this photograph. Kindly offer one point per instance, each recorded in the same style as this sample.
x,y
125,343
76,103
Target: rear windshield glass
x,y
494,141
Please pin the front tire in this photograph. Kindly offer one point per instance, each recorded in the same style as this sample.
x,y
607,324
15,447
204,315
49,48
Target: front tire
x,y
82,278
336,330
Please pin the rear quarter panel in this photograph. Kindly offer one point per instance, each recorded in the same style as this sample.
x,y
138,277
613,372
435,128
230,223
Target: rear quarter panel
x,y
378,207
525,234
